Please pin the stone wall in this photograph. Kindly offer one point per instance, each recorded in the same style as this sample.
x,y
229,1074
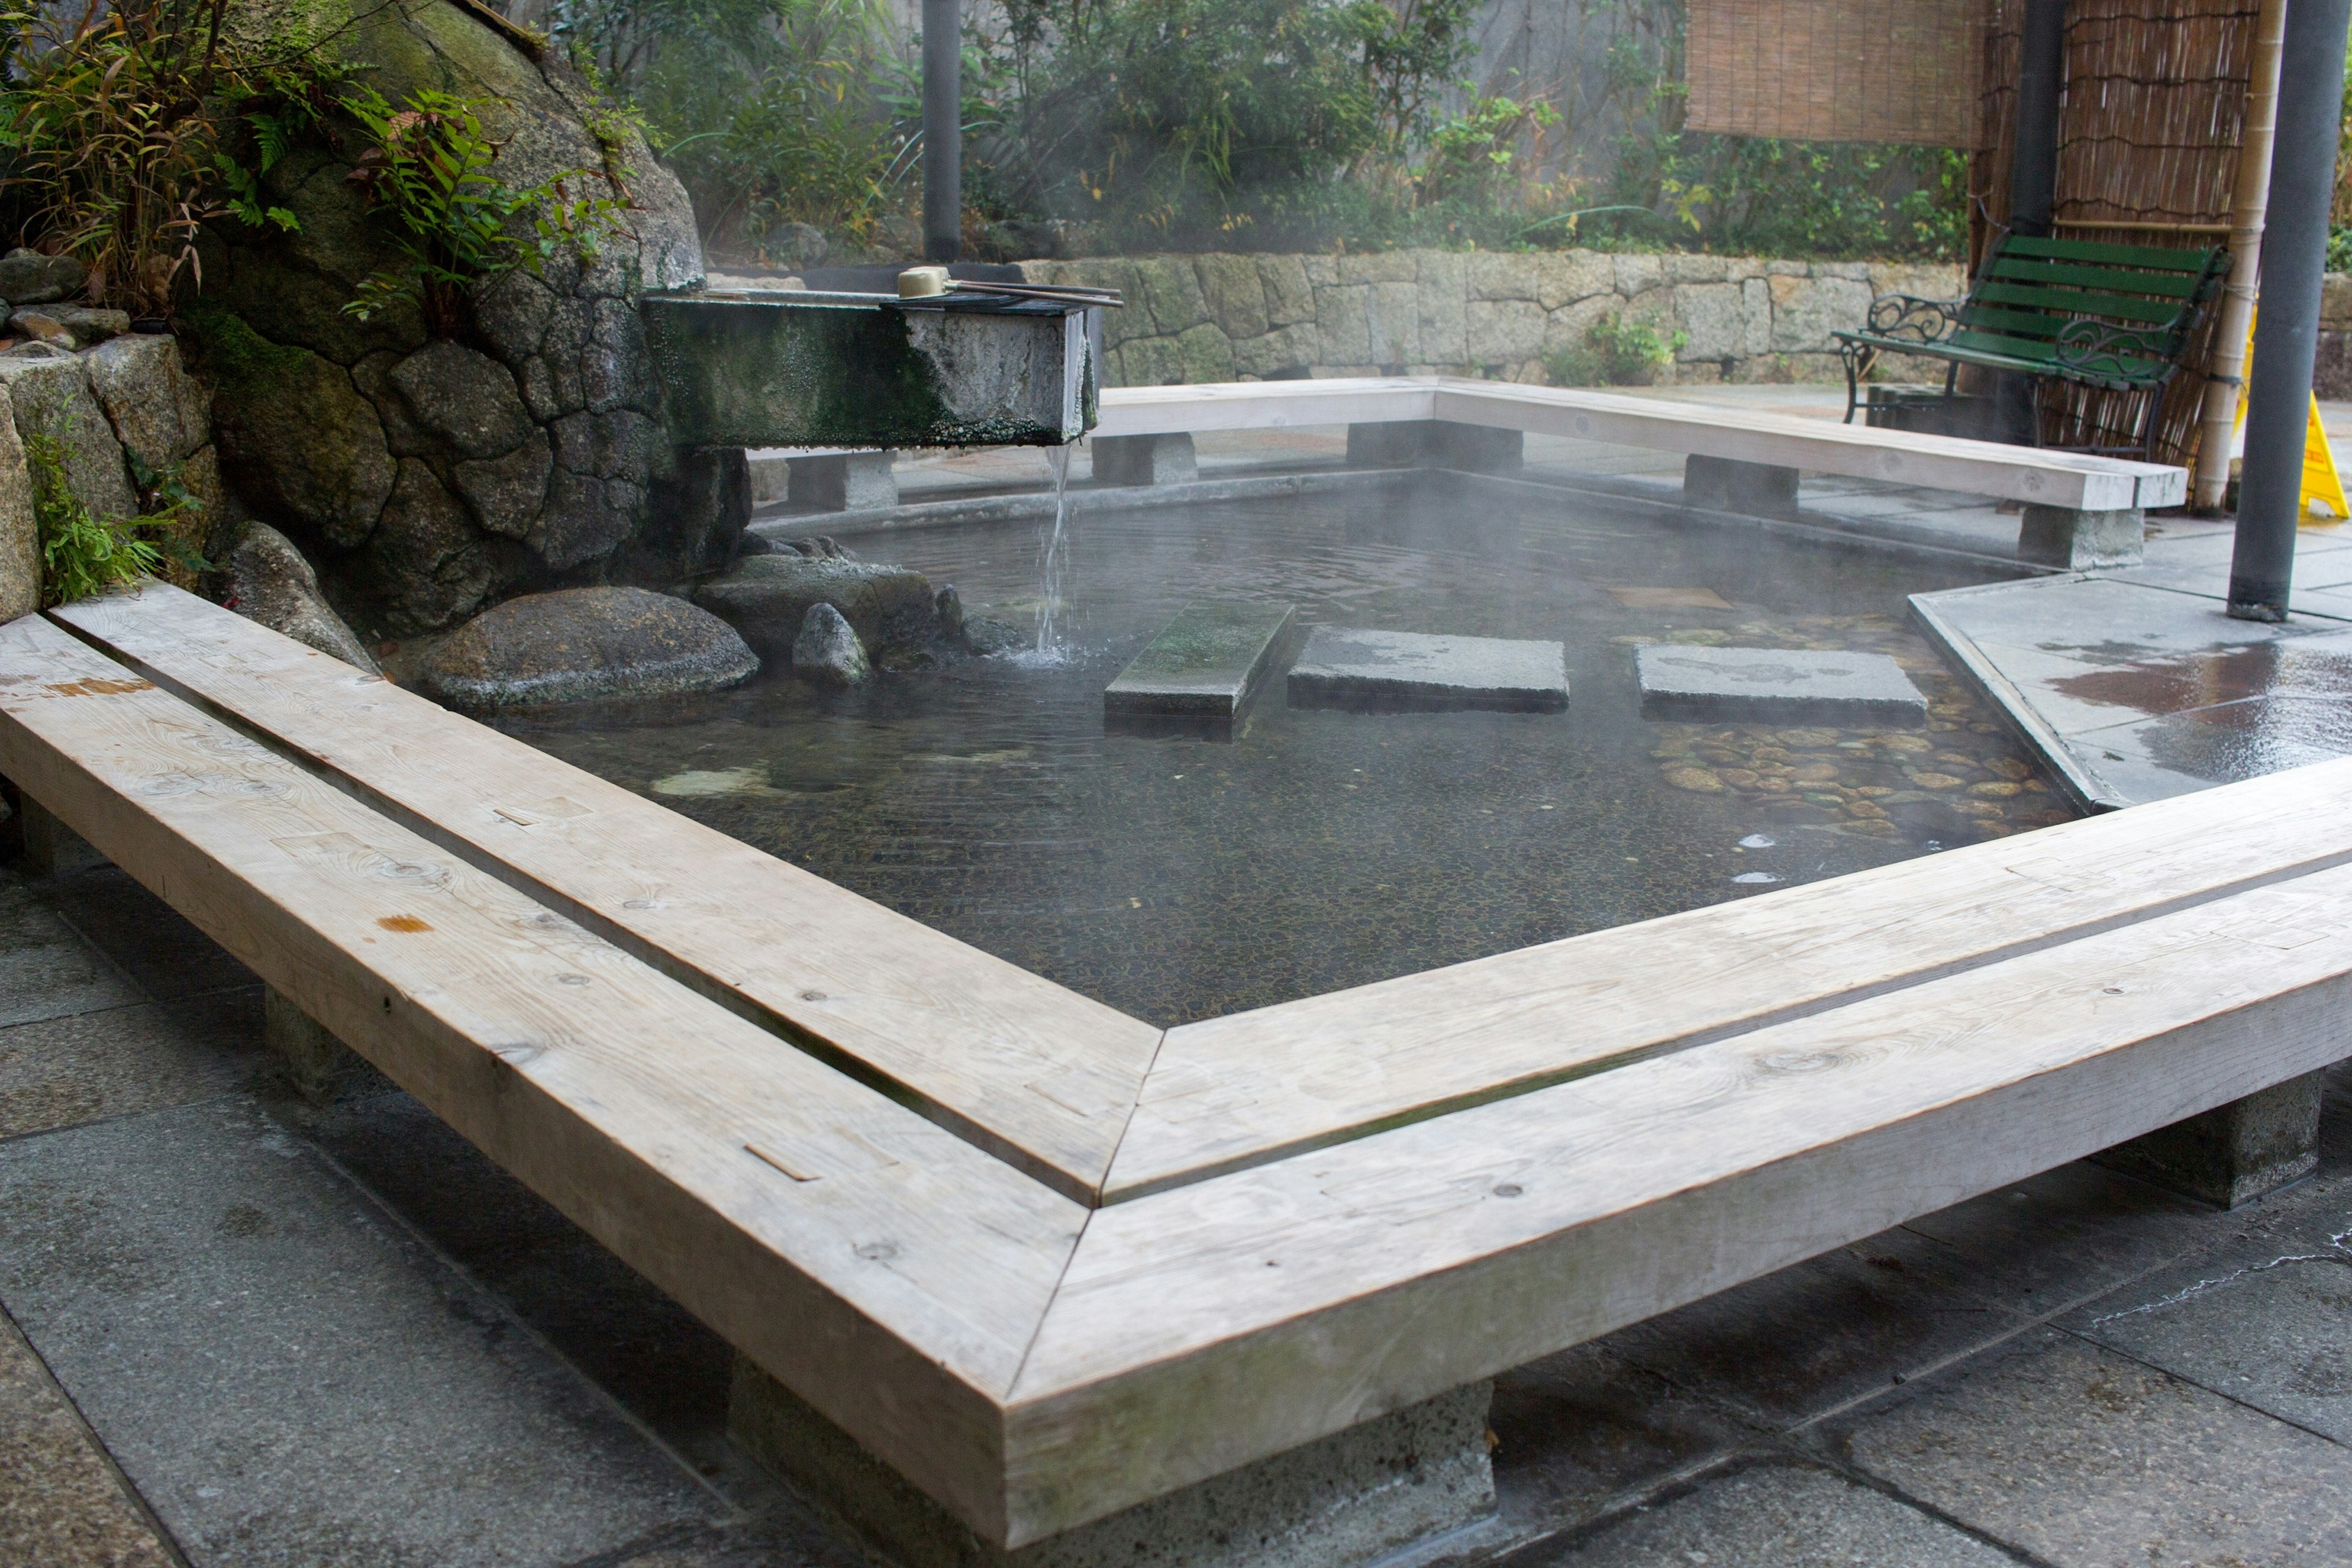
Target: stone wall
x,y
2331,375
1192,319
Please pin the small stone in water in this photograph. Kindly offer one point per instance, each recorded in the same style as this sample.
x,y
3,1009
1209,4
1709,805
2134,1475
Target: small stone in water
x,y
828,650
1757,841
1753,878
1699,779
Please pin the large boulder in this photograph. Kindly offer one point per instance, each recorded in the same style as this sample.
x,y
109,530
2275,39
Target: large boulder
x,y
580,645
49,392
269,583
20,545
160,413
523,451
767,597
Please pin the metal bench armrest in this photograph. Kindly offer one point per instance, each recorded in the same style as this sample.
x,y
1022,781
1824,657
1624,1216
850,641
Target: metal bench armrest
x,y
1908,319
2102,351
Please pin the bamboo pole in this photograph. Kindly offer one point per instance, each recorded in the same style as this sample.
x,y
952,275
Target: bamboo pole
x,y
2250,190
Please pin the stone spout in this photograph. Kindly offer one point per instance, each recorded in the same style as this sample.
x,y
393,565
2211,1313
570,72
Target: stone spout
x,y
801,368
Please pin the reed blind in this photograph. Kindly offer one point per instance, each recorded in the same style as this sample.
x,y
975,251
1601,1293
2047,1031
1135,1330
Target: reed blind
x,y
1837,70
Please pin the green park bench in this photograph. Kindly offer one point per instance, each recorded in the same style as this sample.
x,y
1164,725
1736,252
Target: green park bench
x,y
2111,316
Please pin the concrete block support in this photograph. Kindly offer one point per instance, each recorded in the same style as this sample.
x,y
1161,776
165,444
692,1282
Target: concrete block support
x,y
1145,460
843,481
2235,1152
1436,444
52,849
1343,1499
314,1061
2079,540
1721,484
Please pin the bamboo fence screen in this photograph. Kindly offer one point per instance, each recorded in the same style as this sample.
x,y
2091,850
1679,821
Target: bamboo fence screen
x,y
2148,141
1836,70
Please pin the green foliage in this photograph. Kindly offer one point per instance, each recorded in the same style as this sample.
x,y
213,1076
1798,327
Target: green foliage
x,y
81,554
1190,120
1615,352
426,174
129,126
1476,159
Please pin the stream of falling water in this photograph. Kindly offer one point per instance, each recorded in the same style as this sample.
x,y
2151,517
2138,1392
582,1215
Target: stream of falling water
x,y
1053,619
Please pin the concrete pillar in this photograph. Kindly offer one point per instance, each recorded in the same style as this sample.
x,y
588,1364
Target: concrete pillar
x,y
2081,540
2235,1152
843,481
1347,1499
315,1063
772,480
1145,460
1721,484
52,849
1436,444
2286,336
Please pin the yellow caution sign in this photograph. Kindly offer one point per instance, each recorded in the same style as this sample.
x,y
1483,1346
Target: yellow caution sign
x,y
2323,482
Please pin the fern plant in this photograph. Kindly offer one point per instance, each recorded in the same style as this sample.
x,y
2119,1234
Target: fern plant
x,y
81,554
427,176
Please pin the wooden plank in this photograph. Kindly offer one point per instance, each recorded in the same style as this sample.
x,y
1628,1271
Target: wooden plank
x,y
2168,258
2065,302
1935,462
2176,288
1242,1089
887,1271
1031,1071
1206,1327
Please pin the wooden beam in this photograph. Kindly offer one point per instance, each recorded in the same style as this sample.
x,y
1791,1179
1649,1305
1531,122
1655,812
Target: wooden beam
x,y
1252,1087
1202,1327
2068,479
886,1271
1032,1071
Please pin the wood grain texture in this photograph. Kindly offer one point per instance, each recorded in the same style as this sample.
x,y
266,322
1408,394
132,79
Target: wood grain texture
x,y
1032,1071
1205,1327
1251,1087
1817,446
887,1271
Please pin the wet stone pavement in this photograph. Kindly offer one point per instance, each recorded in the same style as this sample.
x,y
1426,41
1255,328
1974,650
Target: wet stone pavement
x,y
243,1330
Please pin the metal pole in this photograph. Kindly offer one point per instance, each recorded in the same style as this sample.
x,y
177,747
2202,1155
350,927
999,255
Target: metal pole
x,y
2041,82
2033,178
2247,196
942,130
2278,397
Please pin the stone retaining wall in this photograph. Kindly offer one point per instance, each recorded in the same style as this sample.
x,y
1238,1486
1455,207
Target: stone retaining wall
x,y
2331,375
1192,319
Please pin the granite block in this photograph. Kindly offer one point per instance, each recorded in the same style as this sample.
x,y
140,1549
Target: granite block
x,y
1364,669
1776,686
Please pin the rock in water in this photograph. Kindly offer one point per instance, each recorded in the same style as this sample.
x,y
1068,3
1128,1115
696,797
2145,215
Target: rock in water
x,y
766,597
828,650
271,584
583,644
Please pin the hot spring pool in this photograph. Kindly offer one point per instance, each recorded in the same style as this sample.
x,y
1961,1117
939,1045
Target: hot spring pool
x,y
1179,878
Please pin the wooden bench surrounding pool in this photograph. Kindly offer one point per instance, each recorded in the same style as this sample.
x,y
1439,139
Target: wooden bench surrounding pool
x,y
1047,1263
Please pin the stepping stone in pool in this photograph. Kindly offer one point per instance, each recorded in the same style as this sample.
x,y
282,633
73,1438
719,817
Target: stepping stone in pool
x,y
1372,671
1198,674
1777,686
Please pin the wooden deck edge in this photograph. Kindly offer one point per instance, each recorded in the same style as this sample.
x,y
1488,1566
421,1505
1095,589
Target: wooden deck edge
x,y
1302,1298
907,1391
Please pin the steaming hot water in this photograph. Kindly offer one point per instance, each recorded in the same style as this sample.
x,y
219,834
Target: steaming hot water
x,y
1178,877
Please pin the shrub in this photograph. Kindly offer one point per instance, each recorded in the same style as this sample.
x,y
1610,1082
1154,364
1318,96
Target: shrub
x,y
1615,352
81,554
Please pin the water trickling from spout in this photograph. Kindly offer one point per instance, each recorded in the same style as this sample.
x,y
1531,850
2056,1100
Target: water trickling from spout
x,y
1053,568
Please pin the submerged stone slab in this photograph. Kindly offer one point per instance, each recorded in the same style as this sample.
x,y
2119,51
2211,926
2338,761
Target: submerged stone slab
x,y
1776,686
1351,667
1200,669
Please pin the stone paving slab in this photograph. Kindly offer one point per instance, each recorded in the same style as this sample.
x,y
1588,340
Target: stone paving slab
x,y
87,1066
145,937
289,1378
2087,1460
61,1504
2268,1328
1365,669
1776,686
1788,1515
1204,665
46,970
